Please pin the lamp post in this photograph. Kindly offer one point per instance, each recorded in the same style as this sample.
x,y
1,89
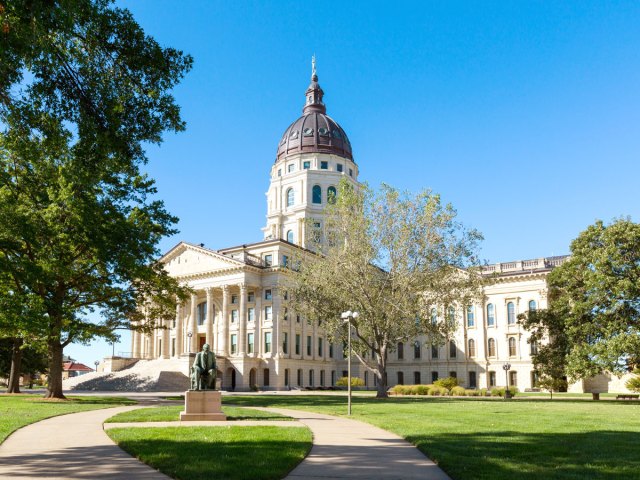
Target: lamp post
x,y
506,367
96,363
347,317
189,334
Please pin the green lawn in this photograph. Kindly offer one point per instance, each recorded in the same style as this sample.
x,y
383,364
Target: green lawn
x,y
19,410
496,439
171,413
233,453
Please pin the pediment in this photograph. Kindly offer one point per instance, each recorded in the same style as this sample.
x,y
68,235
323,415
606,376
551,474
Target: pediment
x,y
187,259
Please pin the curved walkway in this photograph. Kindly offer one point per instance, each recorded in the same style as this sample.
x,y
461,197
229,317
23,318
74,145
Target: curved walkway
x,y
75,446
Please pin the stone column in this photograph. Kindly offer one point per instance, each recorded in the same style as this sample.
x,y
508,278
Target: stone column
x,y
242,319
257,341
276,347
210,318
314,341
166,351
224,324
193,324
178,329
135,344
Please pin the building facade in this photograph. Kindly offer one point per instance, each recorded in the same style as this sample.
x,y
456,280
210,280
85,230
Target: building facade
x,y
239,306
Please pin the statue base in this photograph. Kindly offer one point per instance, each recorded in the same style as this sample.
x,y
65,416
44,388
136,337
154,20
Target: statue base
x,y
202,405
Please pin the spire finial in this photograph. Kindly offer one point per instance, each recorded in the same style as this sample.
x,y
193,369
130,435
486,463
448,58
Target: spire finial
x,y
313,66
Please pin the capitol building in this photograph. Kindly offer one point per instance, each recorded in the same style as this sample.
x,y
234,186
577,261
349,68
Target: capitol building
x,y
238,303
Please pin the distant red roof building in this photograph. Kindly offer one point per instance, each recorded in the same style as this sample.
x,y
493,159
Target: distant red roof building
x,y
73,369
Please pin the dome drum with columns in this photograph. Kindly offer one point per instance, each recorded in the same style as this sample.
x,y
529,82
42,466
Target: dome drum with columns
x,y
240,308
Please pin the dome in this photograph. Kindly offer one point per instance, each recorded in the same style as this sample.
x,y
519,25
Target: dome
x,y
314,131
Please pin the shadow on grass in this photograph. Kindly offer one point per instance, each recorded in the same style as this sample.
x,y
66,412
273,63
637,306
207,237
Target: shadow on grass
x,y
567,456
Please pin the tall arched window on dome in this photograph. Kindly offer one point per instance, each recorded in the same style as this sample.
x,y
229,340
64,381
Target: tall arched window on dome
x,y
511,313
332,194
316,194
290,236
491,315
290,197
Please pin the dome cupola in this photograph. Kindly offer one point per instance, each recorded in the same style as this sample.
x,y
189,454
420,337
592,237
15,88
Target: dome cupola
x,y
314,131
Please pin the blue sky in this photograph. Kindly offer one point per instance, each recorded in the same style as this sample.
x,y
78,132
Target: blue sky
x,y
524,115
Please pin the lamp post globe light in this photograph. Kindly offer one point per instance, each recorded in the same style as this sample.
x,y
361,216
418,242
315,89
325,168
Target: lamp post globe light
x,y
96,363
189,334
506,367
347,317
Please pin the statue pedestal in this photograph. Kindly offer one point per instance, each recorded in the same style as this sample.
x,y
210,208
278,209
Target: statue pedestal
x,y
202,405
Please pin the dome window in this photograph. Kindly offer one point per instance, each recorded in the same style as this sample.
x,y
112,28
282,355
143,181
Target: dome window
x,y
290,236
308,132
293,135
323,131
290,197
336,133
316,194
332,194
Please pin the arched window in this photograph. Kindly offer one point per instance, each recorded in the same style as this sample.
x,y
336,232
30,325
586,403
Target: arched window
x,y
290,236
332,194
400,351
471,349
290,197
451,316
316,194
512,347
534,347
201,313
532,305
491,315
434,316
471,321
511,313
453,351
491,347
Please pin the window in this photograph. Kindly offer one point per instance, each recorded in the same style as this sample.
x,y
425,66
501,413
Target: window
x,y
316,194
320,347
332,194
267,342
400,378
453,374
491,347
279,172
434,351
473,382
534,348
400,351
285,343
234,315
451,316
250,343
234,299
532,305
471,321
309,345
491,315
285,260
512,346
416,378
322,378
471,349
234,343
202,313
306,165
251,314
297,318
331,350
285,294
290,197
434,376
535,378
434,316
297,344
492,379
268,314
268,260
311,378
251,297
511,313
513,379
290,168
333,377
340,167
324,165
286,314
416,349
299,377
290,236
267,294
266,377
350,172
453,351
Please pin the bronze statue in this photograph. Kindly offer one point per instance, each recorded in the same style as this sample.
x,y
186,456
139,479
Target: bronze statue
x,y
203,370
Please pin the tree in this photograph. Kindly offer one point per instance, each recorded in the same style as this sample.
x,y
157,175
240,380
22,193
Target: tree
x,y
82,88
633,383
593,319
393,258
31,361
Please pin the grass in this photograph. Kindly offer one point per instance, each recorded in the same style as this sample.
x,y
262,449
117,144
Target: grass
x,y
496,439
171,413
16,411
234,453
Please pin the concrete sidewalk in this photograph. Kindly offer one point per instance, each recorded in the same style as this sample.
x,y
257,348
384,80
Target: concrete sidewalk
x,y
75,446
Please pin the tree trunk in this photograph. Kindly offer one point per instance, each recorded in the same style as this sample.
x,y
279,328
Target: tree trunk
x,y
54,385
382,380
16,366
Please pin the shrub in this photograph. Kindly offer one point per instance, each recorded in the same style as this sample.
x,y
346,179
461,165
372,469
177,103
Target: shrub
x,y
497,392
436,390
633,383
447,383
458,391
472,393
422,390
355,382
483,392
